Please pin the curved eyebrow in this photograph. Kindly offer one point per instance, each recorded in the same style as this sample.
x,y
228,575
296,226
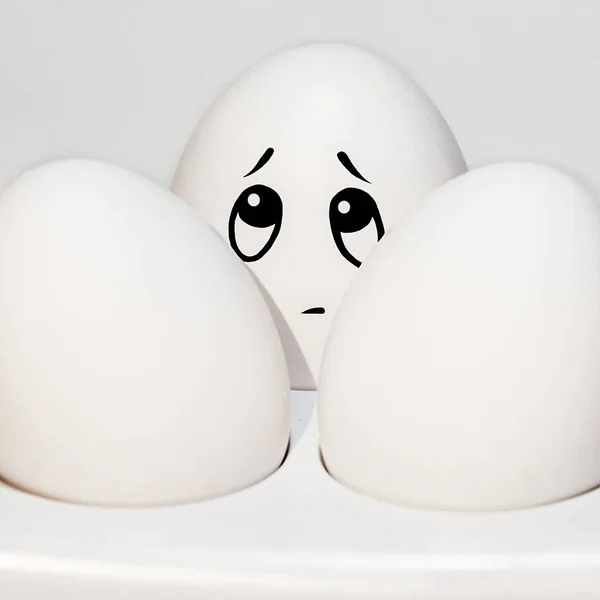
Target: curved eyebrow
x,y
347,164
262,161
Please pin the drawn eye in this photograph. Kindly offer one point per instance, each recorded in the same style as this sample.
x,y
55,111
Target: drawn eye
x,y
255,222
356,224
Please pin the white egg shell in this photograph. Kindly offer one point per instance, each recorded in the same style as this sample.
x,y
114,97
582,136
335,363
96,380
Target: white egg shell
x,y
139,364
306,125
463,369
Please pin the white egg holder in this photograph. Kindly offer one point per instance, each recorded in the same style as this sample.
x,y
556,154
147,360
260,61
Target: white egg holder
x,y
298,534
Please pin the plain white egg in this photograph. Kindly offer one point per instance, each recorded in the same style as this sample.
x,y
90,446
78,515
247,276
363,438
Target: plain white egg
x,y
462,370
139,364
303,165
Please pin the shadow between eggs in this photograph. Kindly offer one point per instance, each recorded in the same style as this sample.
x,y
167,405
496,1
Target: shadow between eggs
x,y
300,375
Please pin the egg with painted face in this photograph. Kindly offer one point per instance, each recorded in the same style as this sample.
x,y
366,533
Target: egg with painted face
x,y
139,364
302,166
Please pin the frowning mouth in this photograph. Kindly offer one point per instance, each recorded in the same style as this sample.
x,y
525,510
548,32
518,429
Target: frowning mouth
x,y
315,310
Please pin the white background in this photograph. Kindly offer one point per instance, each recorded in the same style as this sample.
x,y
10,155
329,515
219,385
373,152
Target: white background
x,y
126,80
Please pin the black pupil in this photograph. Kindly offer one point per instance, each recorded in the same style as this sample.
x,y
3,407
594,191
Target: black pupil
x,y
259,206
353,210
